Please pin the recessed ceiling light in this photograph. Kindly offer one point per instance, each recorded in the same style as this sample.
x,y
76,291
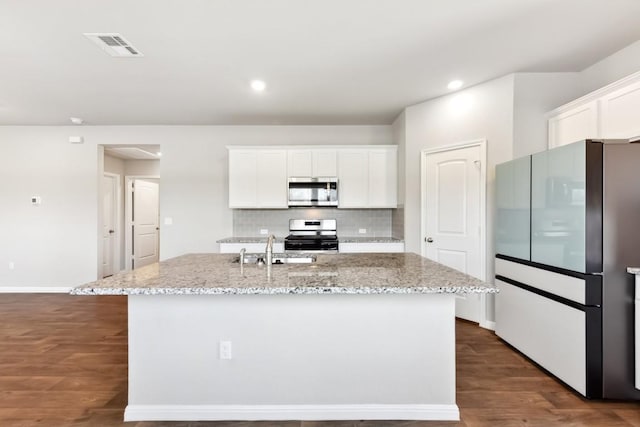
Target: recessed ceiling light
x,y
258,85
455,84
76,120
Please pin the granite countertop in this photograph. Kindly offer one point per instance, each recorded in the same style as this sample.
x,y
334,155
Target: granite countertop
x,y
357,239
633,270
260,239
383,273
361,239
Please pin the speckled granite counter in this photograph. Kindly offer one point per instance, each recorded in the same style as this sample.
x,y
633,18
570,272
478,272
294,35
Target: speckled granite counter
x,y
360,239
195,274
348,239
248,240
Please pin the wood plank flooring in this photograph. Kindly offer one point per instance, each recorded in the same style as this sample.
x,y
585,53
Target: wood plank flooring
x,y
63,362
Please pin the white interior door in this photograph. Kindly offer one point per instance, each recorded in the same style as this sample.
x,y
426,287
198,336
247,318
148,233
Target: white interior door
x,y
452,217
145,222
109,221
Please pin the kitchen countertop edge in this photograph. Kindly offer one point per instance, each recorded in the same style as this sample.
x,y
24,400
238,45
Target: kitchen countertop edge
x,y
356,239
320,290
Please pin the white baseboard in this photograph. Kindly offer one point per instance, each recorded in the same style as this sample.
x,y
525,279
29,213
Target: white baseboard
x,y
35,289
488,325
290,412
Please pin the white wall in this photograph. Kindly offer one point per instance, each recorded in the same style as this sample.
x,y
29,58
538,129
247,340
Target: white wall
x,y
56,244
614,67
142,167
114,165
534,95
483,111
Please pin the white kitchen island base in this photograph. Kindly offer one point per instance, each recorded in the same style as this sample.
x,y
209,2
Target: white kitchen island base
x,y
293,357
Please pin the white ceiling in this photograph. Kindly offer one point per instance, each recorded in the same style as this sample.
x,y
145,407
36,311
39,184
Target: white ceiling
x,y
325,61
133,152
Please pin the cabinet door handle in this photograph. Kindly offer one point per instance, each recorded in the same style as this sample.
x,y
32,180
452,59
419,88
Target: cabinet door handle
x,y
428,240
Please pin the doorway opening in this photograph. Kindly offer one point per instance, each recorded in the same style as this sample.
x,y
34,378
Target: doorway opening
x,y
453,216
119,167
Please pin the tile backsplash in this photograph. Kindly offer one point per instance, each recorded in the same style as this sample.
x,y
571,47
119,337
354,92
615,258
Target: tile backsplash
x,y
397,222
377,222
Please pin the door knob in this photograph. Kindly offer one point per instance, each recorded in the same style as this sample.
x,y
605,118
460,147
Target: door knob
x,y
111,231
428,240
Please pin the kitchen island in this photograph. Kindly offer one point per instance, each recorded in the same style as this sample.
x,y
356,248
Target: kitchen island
x,y
350,336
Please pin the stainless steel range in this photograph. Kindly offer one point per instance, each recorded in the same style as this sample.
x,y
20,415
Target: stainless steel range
x,y
312,235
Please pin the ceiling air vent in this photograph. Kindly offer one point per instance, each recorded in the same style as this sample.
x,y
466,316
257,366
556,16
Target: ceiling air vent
x,y
114,44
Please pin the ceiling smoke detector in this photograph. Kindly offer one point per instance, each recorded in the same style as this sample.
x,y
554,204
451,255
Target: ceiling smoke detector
x,y
114,44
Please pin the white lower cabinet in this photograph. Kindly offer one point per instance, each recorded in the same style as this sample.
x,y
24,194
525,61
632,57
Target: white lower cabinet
x,y
364,247
234,248
550,333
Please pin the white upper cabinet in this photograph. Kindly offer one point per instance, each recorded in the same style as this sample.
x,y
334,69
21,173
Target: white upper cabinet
x,y
299,163
325,163
257,178
574,125
312,163
383,184
368,178
620,112
367,175
612,112
243,183
353,178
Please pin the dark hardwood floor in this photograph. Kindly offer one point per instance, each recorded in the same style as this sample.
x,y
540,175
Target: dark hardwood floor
x,y
63,362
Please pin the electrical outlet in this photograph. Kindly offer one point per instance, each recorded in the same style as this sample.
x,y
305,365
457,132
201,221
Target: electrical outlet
x,y
11,265
225,350
264,231
362,231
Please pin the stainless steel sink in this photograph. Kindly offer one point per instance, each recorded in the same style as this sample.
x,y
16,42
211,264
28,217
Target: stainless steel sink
x,y
278,258
293,258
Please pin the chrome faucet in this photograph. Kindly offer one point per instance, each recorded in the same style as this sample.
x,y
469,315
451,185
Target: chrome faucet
x,y
242,252
269,250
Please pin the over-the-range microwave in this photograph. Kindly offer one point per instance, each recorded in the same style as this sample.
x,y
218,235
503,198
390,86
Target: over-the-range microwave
x,y
307,191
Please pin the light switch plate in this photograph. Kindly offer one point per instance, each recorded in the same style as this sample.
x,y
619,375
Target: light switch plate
x,y
362,231
168,221
225,350
264,231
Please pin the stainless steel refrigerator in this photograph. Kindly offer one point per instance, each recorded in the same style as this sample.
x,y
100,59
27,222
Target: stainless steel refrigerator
x,y
567,228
